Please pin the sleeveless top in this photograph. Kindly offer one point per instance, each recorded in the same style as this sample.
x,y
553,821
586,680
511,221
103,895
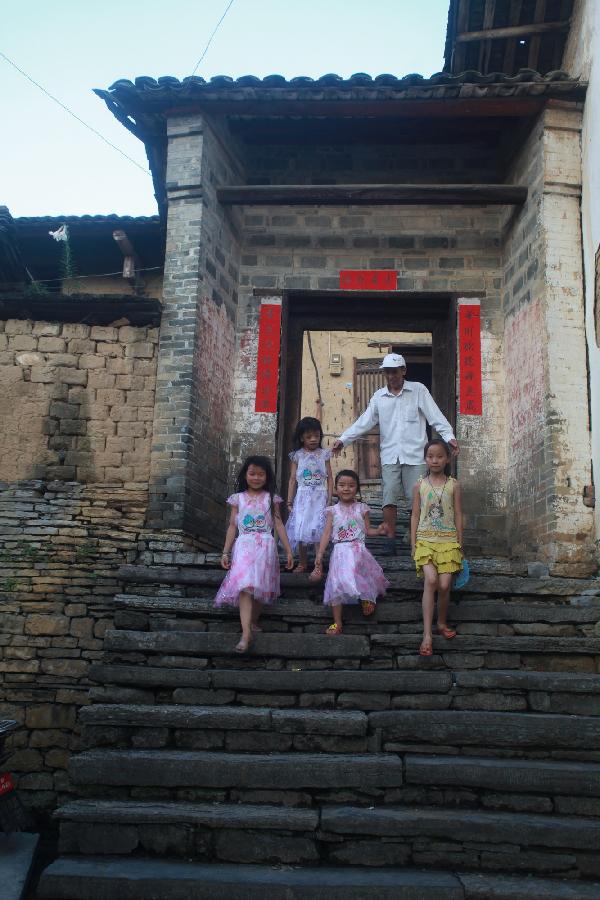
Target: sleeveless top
x,y
436,522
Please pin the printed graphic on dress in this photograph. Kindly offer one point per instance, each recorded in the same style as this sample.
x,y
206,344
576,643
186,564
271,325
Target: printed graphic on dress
x,y
312,478
349,531
254,523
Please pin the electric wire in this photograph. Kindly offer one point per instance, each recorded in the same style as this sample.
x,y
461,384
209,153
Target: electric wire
x,y
71,113
210,40
81,277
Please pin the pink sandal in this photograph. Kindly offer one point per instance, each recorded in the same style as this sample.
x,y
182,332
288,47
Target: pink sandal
x,y
333,630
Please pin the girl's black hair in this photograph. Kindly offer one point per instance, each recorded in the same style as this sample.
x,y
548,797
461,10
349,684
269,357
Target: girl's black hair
x,y
308,423
445,447
262,462
349,473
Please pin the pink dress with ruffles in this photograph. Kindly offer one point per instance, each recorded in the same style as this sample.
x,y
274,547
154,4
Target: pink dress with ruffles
x,y
354,574
254,562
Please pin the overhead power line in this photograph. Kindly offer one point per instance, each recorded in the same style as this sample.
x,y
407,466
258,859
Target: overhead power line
x,y
71,113
210,40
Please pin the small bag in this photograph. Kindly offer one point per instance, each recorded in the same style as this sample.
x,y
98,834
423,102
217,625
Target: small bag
x,y
462,577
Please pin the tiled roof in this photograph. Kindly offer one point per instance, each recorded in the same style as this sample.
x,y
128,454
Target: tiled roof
x,y
154,93
83,221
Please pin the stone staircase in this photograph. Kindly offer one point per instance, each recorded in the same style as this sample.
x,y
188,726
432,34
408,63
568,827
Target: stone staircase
x,y
344,767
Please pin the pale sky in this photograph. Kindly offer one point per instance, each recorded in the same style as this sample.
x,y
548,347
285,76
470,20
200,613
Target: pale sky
x,y
51,165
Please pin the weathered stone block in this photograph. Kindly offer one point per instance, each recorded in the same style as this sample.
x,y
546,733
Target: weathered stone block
x,y
46,624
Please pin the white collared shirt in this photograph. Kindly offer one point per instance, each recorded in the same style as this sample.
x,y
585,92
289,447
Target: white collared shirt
x,y
402,419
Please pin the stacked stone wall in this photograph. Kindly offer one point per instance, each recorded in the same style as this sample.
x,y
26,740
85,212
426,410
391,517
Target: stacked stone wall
x,y
76,401
60,547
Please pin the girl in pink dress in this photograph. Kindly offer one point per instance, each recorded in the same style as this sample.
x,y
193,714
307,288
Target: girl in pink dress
x,y
309,489
354,575
253,571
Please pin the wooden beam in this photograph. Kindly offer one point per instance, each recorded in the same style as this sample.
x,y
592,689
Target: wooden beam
x,y
511,44
372,194
536,40
514,31
128,251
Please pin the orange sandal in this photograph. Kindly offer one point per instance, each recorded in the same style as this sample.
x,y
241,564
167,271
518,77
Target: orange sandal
x,y
368,607
333,629
446,632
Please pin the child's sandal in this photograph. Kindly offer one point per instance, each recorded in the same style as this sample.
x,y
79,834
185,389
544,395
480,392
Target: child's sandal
x,y
446,632
368,607
300,568
333,629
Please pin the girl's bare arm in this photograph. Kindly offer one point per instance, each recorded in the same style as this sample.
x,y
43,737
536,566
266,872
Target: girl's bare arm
x,y
324,540
229,538
458,515
282,535
329,482
292,485
414,517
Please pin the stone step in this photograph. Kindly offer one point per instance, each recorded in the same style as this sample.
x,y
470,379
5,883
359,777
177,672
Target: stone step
x,y
277,771
509,690
262,833
549,777
522,731
288,646
147,879
545,612
223,727
492,584
386,644
87,878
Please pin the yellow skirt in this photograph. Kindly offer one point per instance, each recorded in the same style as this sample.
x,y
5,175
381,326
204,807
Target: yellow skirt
x,y
446,556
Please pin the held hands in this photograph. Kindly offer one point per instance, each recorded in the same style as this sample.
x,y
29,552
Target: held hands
x,y
337,447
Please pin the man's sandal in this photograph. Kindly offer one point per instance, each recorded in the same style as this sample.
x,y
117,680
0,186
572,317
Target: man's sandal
x,y
446,632
426,648
300,569
333,629
368,607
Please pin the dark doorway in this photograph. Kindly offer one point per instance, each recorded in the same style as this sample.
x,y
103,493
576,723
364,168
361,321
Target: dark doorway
x,y
435,366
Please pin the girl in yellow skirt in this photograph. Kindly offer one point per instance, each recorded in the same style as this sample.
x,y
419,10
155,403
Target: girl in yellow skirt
x,y
436,538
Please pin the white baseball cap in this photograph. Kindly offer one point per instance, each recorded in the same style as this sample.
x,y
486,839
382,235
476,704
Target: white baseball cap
x,y
393,361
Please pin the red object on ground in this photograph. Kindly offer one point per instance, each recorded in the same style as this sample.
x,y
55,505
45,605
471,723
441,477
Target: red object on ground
x,y
368,280
267,364
469,352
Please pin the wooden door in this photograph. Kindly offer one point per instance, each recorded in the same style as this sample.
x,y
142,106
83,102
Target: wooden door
x,y
368,378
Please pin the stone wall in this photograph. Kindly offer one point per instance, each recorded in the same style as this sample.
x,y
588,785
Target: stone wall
x,y
195,370
544,352
60,547
76,401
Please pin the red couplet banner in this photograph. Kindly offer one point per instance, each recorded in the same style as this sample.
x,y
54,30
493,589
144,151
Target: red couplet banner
x,y
267,368
367,280
469,352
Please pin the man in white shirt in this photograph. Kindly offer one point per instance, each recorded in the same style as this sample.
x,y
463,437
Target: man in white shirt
x,y
402,410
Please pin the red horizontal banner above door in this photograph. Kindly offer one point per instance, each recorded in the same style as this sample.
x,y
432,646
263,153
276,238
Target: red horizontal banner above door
x,y
367,280
469,354
267,364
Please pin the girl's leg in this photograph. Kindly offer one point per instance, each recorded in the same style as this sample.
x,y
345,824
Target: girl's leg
x,y
257,609
315,575
245,621
337,620
302,558
431,582
444,582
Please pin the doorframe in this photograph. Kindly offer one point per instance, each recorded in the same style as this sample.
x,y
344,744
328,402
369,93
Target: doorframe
x,y
430,311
